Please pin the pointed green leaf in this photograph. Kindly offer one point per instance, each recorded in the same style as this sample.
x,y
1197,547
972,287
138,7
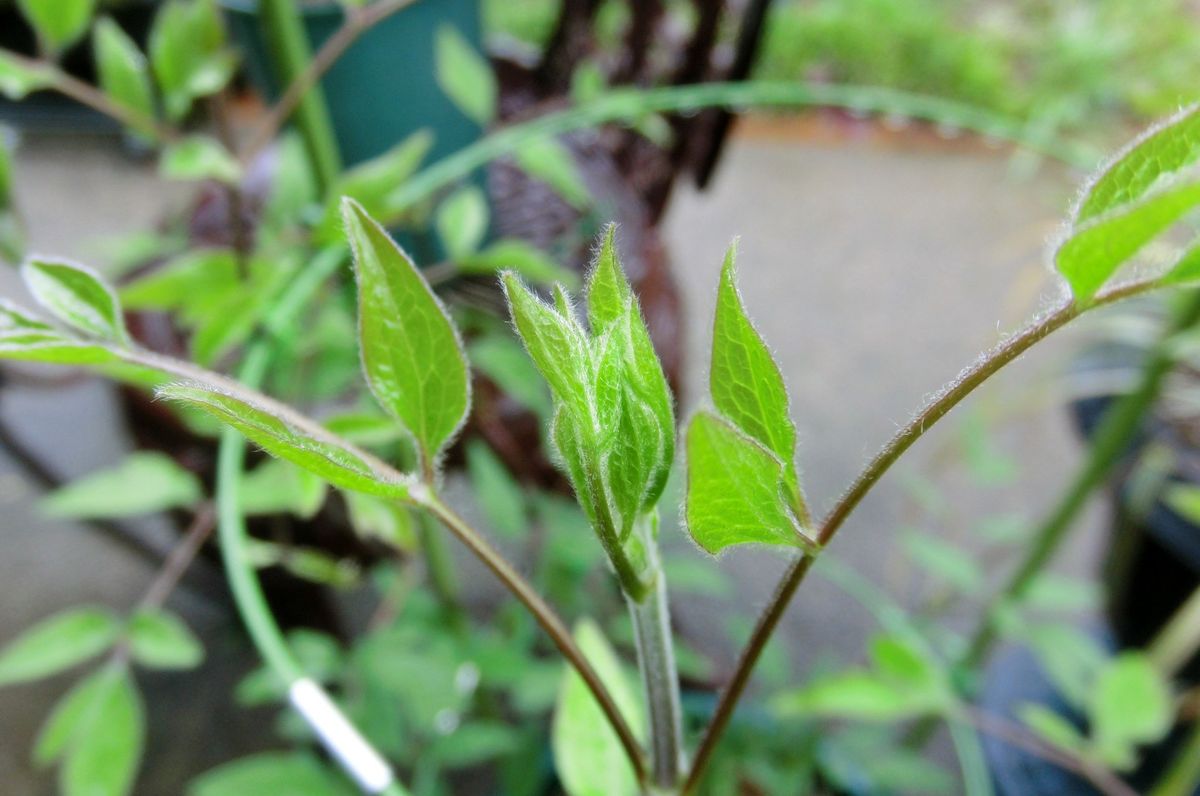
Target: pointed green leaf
x,y
187,52
143,483
734,489
745,382
411,352
279,487
16,320
1094,252
103,757
281,432
549,160
1162,150
499,494
556,344
587,753
860,696
635,461
512,254
123,71
465,76
18,79
57,643
462,221
53,348
647,385
1185,269
72,713
77,296
161,640
199,157
58,23
1131,705
276,773
608,290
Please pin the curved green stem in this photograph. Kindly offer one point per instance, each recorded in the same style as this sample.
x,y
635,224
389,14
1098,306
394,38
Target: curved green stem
x,y
629,104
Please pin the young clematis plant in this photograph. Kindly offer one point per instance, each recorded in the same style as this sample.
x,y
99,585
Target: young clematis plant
x,y
614,432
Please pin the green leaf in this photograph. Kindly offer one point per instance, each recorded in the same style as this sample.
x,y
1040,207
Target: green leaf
x,y
608,291
556,344
77,296
860,696
143,483
1070,657
1093,253
160,640
473,744
57,643
512,254
587,753
281,432
1131,705
465,76
279,487
18,79
103,757
1185,269
12,232
372,181
549,160
734,489
17,320
1052,728
745,382
1162,150
187,51
195,283
498,493
502,359
945,562
384,520
73,712
462,221
53,348
199,157
58,23
123,71
274,773
411,352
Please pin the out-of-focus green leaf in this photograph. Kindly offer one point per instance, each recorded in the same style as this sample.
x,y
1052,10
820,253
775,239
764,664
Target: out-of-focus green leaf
x,y
77,296
945,562
276,486
105,750
18,80
57,643
304,562
58,23
73,711
462,221
551,161
160,640
123,71
144,482
501,359
465,76
587,753
861,696
199,157
1131,705
734,489
193,283
280,432
473,744
1052,728
384,520
274,773
1164,149
498,493
188,54
516,255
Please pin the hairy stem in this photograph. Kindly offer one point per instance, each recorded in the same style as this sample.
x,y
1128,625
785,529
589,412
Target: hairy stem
x,y
960,388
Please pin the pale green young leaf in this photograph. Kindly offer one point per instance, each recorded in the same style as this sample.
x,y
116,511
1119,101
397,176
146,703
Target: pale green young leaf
x,y
143,483
608,290
53,348
647,384
1052,728
411,352
734,489
187,52
568,447
556,344
199,157
278,487
1131,705
103,757
194,282
282,433
744,381
161,640
859,696
502,359
369,183
123,71
58,23
462,221
72,713
58,642
587,753
17,79
465,76
549,160
635,461
77,296
512,254
500,496
15,320
1185,269
1162,150
1090,256
276,773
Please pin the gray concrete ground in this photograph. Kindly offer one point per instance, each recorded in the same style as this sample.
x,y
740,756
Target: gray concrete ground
x,y
875,274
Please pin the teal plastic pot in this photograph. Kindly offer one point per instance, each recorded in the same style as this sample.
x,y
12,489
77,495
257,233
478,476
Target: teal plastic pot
x,y
383,88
